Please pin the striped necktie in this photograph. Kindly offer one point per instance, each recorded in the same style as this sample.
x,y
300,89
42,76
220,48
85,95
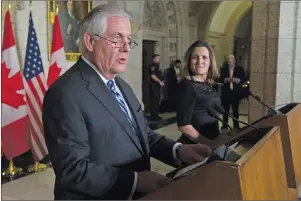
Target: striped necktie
x,y
112,87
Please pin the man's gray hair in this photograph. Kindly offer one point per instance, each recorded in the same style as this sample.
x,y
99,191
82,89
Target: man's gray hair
x,y
96,21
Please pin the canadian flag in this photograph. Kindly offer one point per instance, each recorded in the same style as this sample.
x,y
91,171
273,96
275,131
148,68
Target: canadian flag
x,y
58,63
15,121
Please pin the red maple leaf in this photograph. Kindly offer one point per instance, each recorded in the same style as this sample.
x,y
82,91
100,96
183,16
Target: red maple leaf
x,y
53,74
10,86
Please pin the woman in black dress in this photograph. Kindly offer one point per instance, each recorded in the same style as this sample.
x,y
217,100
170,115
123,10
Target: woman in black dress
x,y
196,92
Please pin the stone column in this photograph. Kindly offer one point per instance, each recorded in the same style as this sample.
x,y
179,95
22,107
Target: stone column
x,y
289,53
274,61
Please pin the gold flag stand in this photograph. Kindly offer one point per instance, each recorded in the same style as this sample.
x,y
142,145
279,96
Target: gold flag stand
x,y
37,167
49,164
12,171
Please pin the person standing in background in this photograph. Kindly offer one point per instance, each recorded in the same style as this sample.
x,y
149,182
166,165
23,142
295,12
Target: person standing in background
x,y
231,76
156,84
196,92
173,76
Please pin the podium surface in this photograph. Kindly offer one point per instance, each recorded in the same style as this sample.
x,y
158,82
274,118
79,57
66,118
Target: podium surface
x,y
290,127
259,174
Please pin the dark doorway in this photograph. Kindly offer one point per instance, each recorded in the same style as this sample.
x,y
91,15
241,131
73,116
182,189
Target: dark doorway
x,y
147,60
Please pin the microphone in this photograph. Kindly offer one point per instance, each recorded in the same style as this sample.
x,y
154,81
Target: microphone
x,y
213,113
257,98
222,111
218,83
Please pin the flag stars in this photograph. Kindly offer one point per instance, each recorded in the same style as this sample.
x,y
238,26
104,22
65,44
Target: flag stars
x,y
33,63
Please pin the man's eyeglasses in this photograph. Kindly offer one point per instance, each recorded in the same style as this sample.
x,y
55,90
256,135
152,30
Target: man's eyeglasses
x,y
119,43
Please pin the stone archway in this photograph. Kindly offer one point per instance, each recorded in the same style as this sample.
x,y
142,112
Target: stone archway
x,y
221,29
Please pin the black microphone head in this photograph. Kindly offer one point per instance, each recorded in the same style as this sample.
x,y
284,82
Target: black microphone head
x,y
218,108
209,107
211,112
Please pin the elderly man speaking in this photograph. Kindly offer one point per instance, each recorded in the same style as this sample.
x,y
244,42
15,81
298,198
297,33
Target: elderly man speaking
x,y
98,140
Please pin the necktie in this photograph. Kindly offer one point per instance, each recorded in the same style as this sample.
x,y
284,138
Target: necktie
x,y
231,75
119,98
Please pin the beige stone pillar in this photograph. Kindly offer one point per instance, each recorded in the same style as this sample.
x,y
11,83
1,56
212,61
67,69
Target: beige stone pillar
x,y
275,64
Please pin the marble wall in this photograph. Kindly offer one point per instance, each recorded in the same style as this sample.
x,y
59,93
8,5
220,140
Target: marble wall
x,y
275,66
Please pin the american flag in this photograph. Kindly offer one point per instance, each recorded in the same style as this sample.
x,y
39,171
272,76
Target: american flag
x,y
35,88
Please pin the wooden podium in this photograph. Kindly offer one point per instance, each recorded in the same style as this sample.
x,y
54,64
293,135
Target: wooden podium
x,y
258,175
290,127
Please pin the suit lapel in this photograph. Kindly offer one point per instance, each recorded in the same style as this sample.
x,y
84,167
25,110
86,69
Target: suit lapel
x,y
126,93
100,91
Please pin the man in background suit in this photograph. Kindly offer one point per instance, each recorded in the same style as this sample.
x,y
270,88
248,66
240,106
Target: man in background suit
x,y
173,74
232,76
98,140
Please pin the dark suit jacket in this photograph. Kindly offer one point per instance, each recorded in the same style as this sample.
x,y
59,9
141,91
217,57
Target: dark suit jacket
x,y
172,82
93,149
237,89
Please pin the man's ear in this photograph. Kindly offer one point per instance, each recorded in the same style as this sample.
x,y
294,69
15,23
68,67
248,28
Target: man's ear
x,y
89,42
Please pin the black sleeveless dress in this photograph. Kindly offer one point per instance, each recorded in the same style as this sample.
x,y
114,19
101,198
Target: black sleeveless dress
x,y
193,97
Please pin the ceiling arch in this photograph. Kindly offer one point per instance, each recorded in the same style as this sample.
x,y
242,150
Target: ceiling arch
x,y
223,14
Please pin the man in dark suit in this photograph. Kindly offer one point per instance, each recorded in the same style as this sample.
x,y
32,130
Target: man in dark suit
x,y
173,74
232,76
98,140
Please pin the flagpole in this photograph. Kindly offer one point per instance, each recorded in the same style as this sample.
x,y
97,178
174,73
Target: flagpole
x,y
9,6
30,5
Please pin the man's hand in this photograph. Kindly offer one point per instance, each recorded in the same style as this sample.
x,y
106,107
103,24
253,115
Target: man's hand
x,y
161,84
149,181
234,79
228,79
192,153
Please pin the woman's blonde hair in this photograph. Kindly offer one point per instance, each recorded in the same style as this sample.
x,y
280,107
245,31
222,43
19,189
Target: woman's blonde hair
x,y
213,70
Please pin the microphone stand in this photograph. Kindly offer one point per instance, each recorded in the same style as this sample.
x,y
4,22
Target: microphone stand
x,y
258,100
222,111
245,85
213,114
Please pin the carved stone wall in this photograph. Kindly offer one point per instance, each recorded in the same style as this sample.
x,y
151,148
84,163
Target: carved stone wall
x,y
154,15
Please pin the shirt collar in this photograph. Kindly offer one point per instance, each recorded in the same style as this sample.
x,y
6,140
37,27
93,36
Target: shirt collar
x,y
105,80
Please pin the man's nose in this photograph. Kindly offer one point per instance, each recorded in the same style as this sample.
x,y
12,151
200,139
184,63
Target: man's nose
x,y
126,47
